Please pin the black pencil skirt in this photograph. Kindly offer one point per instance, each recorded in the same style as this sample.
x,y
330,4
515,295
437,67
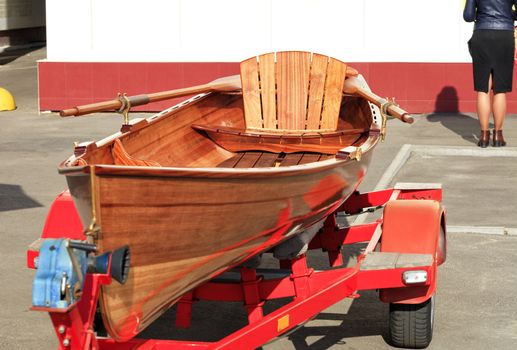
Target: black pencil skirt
x,y
492,52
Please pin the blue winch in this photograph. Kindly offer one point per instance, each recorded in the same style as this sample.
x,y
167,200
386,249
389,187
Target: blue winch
x,y
62,266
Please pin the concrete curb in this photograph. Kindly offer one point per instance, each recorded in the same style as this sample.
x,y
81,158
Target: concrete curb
x,y
486,230
463,151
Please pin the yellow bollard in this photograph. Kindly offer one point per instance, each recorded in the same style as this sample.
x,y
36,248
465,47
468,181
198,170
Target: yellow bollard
x,y
6,100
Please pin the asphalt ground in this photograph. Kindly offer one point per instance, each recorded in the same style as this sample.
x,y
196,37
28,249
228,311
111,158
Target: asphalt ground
x,y
476,304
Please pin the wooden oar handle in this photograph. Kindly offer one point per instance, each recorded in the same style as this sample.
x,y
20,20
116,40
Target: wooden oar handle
x,y
230,83
116,104
352,86
395,111
91,108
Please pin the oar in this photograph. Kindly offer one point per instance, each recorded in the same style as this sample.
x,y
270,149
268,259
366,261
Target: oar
x,y
230,83
353,86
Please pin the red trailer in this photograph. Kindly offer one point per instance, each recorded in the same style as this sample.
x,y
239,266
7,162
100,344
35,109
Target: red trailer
x,y
404,247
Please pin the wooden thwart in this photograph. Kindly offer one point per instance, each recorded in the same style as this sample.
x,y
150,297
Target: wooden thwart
x,y
236,140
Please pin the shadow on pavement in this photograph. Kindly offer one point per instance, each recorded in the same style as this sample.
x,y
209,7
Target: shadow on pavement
x,y
212,321
12,197
11,54
367,316
447,113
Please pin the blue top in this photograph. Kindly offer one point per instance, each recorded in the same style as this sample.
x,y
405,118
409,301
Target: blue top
x,y
490,14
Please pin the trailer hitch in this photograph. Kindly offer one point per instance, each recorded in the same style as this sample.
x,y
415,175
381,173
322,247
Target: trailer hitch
x,y
62,266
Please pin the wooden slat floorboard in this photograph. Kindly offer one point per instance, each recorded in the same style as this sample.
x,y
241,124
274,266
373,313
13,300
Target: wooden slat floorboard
x,y
310,158
266,160
231,162
291,159
248,160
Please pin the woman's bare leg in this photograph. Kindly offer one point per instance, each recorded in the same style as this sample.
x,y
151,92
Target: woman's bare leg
x,y
483,109
499,110
483,106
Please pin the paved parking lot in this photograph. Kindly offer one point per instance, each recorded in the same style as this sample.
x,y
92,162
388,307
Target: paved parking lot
x,y
476,305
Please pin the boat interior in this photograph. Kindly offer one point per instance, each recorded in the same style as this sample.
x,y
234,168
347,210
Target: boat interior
x,y
291,111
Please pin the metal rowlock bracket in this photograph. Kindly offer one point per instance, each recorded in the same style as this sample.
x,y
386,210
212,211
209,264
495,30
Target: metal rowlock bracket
x,y
92,230
385,114
125,107
357,154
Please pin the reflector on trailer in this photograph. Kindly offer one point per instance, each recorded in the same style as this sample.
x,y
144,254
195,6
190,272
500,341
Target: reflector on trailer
x,y
414,277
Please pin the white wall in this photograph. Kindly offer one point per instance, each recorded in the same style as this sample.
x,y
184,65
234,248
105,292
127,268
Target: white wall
x,y
232,30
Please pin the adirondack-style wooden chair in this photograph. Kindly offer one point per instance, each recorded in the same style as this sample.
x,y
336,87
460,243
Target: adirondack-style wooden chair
x,y
292,91
292,101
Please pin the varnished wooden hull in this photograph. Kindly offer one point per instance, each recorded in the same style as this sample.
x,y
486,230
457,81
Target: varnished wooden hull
x,y
184,225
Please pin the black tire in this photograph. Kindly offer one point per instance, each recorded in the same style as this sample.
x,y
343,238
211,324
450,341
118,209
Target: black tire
x,y
411,325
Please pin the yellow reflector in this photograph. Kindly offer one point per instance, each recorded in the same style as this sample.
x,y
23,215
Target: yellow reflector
x,y
282,323
6,100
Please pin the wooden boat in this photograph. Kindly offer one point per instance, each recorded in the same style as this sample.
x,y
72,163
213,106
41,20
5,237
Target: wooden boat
x,y
205,185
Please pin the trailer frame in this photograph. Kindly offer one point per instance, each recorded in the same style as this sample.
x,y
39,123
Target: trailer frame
x,y
393,252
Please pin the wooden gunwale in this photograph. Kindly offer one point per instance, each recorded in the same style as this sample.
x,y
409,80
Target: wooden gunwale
x,y
121,170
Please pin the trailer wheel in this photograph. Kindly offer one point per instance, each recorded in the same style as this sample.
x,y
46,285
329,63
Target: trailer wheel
x,y
411,325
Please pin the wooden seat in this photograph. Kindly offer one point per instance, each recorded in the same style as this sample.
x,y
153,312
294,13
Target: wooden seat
x,y
292,91
292,102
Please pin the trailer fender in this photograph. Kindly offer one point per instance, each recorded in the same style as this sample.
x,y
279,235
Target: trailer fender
x,y
414,227
63,220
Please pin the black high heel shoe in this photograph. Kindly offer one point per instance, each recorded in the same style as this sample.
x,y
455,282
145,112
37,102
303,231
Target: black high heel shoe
x,y
498,140
484,138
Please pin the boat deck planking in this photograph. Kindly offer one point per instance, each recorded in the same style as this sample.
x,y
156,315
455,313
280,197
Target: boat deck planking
x,y
267,159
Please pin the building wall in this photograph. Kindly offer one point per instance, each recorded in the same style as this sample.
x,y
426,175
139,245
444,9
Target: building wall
x,y
410,49
21,22
17,14
230,30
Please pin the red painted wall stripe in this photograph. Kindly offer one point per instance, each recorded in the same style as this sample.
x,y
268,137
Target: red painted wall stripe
x,y
417,87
